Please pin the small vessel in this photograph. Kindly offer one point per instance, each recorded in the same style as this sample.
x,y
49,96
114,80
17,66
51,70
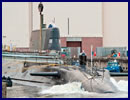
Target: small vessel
x,y
113,66
115,69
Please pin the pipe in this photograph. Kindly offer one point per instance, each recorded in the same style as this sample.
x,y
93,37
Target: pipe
x,y
29,80
28,56
45,74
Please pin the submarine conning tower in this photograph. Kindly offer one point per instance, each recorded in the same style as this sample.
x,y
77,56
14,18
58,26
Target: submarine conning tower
x,y
50,39
54,39
45,38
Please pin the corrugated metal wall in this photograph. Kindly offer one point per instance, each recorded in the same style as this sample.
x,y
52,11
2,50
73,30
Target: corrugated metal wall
x,y
35,39
75,47
105,51
74,51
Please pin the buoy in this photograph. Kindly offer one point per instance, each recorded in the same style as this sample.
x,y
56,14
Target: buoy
x,y
94,53
119,54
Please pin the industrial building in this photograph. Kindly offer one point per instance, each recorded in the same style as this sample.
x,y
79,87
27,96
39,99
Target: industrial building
x,y
81,24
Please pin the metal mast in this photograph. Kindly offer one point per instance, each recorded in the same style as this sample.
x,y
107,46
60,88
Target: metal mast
x,y
40,8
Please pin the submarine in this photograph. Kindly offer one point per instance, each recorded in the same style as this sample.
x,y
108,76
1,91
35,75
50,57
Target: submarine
x,y
92,80
96,81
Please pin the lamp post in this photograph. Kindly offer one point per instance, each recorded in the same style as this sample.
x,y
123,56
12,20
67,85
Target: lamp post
x,y
40,8
91,59
3,42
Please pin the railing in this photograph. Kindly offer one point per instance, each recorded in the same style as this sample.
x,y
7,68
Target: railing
x,y
33,58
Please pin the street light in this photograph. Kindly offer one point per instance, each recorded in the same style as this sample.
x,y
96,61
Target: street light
x,y
40,8
4,36
3,42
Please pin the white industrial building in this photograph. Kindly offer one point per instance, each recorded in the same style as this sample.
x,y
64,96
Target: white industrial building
x,y
106,22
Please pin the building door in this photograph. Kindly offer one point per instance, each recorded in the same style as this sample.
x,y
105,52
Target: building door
x,y
74,44
75,48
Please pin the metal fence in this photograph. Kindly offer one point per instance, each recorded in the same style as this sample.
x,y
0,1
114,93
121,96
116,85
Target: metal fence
x,y
105,51
72,51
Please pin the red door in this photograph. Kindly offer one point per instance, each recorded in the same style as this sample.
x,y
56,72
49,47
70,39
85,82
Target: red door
x,y
74,44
